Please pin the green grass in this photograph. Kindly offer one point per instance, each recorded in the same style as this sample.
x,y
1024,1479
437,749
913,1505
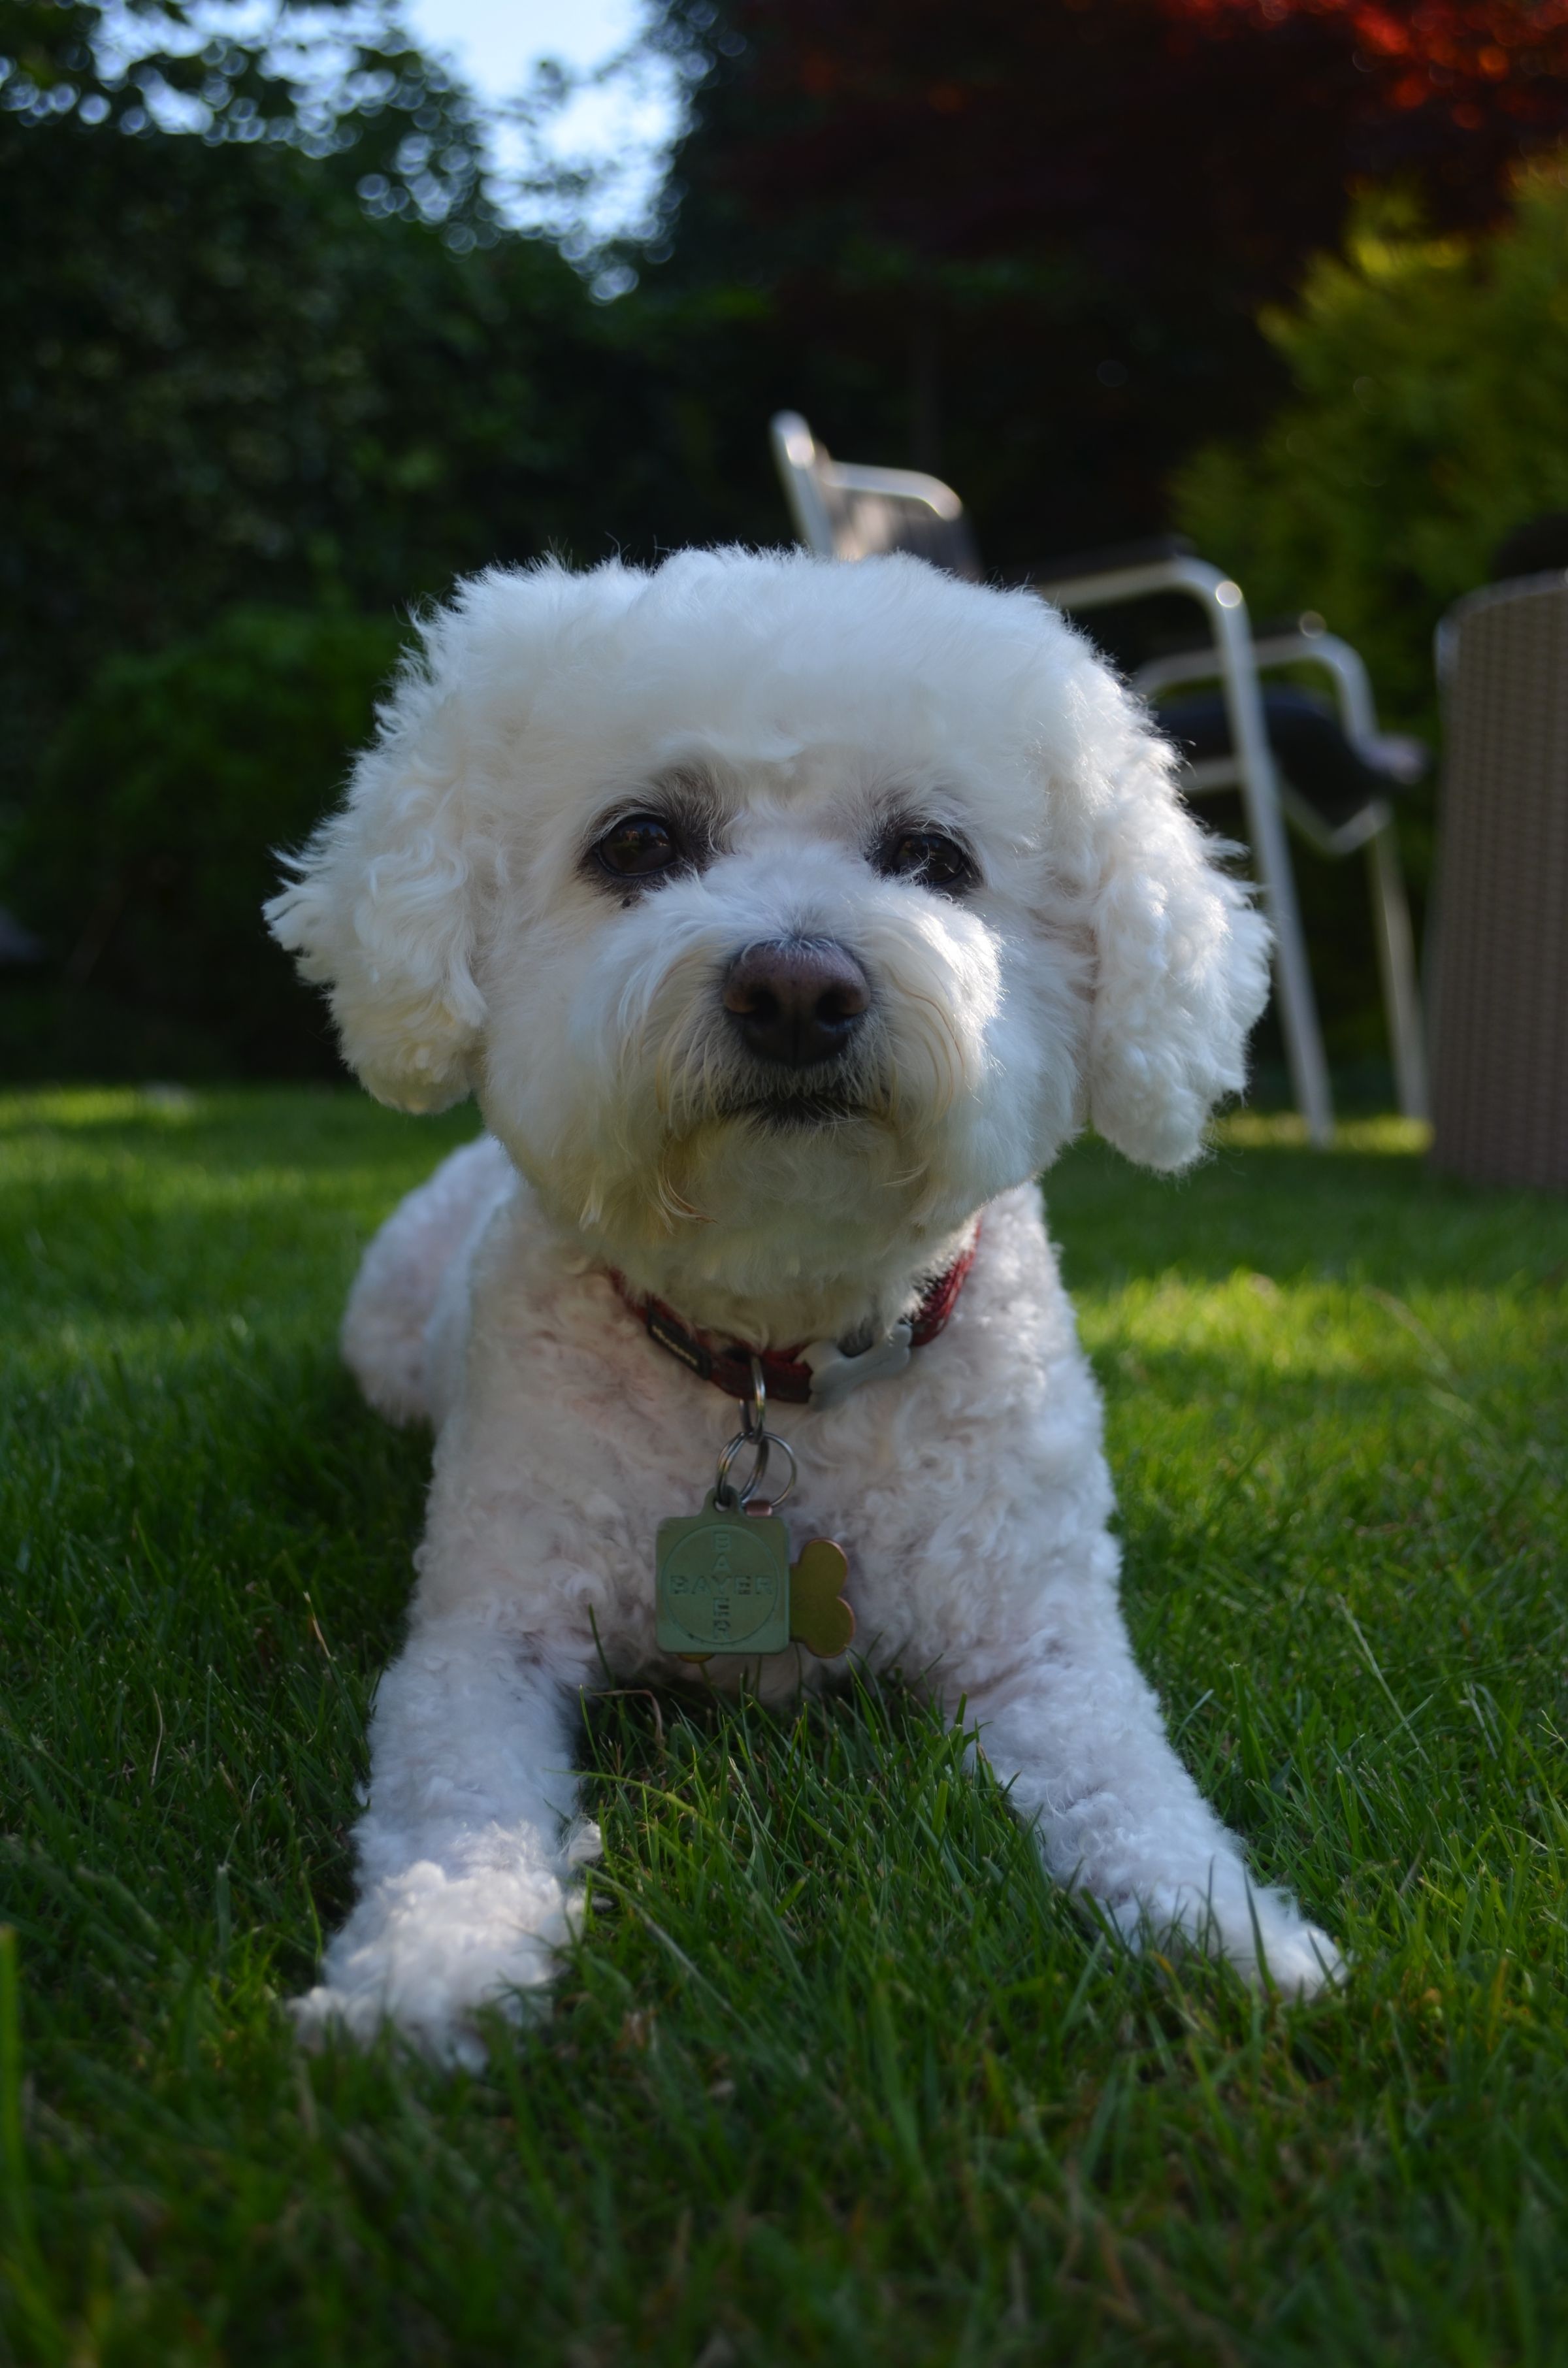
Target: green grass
x,y
833,2076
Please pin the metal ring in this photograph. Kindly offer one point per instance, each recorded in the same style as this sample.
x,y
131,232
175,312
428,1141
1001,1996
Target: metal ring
x,y
723,1494
762,1445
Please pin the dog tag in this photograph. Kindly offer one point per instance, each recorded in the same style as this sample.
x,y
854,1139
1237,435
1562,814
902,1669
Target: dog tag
x,y
819,1617
722,1583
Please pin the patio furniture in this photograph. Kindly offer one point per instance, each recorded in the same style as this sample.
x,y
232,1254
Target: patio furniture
x,y
1500,933
843,511
1337,777
1348,769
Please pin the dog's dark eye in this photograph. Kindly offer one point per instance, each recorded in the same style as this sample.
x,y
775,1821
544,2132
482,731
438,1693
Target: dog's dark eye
x,y
927,857
637,847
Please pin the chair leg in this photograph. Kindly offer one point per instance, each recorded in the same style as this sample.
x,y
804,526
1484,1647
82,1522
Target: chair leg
x,y
1265,828
1397,963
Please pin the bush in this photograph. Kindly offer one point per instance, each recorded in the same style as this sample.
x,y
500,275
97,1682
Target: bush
x,y
1431,416
143,861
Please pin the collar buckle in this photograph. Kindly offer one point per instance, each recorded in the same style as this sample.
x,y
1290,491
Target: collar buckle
x,y
836,1376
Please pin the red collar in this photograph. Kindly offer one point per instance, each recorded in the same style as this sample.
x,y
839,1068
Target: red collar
x,y
728,1366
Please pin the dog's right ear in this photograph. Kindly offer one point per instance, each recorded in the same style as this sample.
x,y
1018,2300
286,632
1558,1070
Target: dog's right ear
x,y
381,908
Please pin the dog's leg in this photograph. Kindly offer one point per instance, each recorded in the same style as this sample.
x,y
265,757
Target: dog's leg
x,y
1073,1729
466,1849
387,1321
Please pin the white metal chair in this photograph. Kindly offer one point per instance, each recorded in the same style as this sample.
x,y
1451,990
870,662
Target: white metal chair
x,y
1388,762
847,511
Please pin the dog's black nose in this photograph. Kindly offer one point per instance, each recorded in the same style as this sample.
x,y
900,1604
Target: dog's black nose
x,y
798,1002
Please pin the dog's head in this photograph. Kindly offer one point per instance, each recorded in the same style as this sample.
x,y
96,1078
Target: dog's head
x,y
766,901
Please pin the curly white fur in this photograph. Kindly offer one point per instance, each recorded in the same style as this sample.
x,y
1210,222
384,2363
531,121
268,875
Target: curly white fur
x,y
1100,966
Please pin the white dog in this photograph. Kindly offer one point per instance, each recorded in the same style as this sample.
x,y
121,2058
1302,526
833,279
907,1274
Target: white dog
x,y
785,917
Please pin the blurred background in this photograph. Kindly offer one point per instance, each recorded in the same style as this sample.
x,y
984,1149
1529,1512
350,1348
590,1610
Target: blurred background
x,y
307,310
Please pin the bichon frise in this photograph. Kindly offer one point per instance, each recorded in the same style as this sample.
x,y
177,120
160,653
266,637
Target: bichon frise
x,y
785,917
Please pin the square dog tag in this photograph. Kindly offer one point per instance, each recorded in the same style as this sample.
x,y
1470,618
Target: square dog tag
x,y
723,1582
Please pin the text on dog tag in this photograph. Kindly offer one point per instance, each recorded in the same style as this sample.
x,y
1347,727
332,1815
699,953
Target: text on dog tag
x,y
722,1582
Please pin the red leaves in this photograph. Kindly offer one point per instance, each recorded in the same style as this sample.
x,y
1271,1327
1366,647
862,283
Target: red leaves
x,y
1445,42
1054,108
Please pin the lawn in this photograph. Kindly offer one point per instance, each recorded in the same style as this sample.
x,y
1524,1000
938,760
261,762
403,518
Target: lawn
x,y
833,2076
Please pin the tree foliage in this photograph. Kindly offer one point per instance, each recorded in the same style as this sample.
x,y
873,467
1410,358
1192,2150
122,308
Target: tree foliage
x,y
284,359
357,97
1428,417
144,859
1028,245
234,386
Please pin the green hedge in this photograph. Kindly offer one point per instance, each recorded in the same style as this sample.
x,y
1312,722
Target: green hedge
x,y
143,861
1430,416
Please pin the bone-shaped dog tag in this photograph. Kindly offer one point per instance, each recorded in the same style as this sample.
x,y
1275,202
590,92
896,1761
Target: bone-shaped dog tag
x,y
819,1617
722,1583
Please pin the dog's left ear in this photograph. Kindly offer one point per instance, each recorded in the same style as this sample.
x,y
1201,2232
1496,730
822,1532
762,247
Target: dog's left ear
x,y
1181,964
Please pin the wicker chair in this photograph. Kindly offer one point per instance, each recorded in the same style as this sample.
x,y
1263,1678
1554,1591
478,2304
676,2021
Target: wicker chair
x,y
1500,932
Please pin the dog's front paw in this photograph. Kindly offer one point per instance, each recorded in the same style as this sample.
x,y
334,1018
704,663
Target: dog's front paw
x,y
1259,1933
1298,1959
426,1948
